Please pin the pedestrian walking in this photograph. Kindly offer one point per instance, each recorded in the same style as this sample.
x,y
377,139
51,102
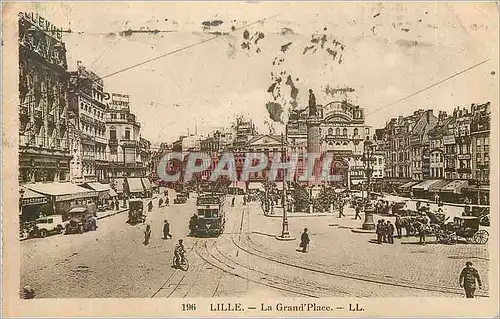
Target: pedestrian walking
x,y
232,202
378,231
166,230
304,240
358,210
167,201
398,226
160,202
341,209
421,232
390,232
147,235
468,278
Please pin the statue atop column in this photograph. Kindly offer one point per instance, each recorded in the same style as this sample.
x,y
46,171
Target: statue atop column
x,y
313,110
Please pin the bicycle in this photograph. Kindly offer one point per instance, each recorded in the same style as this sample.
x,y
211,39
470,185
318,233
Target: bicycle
x,y
180,263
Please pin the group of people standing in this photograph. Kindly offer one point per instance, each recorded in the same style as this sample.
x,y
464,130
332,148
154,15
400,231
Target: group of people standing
x,y
385,232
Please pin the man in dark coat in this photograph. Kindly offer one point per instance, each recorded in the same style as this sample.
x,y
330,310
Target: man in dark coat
x,y
468,278
304,240
390,232
232,202
166,230
341,209
193,223
379,231
398,225
358,210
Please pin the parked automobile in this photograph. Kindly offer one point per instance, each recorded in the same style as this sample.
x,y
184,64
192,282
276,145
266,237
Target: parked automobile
x,y
80,220
47,225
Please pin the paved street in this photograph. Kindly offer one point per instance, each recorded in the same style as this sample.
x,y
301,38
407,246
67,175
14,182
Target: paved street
x,y
113,262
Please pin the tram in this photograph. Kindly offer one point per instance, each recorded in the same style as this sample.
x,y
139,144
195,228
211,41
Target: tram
x,y
211,217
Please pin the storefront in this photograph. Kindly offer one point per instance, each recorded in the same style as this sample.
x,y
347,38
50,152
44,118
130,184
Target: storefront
x,y
63,196
135,188
406,189
421,190
31,203
147,187
453,191
103,192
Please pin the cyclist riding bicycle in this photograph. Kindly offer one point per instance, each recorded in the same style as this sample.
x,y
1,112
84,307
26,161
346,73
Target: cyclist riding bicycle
x,y
179,251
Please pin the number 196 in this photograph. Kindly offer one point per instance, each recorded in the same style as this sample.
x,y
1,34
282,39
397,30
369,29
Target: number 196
x,y
188,306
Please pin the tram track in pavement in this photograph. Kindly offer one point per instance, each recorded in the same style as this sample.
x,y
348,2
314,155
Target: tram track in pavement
x,y
217,258
357,277
170,279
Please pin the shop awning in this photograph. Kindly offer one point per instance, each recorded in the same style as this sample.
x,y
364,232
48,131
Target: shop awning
x,y
32,198
98,187
255,185
339,190
436,187
424,186
409,184
146,183
135,185
455,186
112,193
101,189
61,191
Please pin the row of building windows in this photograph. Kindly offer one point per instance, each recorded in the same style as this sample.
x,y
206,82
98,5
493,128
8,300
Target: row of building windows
x,y
92,110
344,131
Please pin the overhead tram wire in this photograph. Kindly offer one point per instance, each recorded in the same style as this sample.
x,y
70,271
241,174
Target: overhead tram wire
x,y
167,54
189,46
428,87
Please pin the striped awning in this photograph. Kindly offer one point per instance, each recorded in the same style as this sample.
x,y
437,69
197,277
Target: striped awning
x,y
436,187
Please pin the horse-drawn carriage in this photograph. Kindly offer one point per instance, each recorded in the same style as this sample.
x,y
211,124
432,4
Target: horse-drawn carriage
x,y
467,227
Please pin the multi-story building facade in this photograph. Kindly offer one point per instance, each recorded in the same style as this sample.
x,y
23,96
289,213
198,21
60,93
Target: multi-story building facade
x,y
437,147
480,140
87,112
463,144
337,129
124,136
406,146
44,153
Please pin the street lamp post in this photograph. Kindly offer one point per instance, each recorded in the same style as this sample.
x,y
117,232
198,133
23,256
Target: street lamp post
x,y
368,161
285,233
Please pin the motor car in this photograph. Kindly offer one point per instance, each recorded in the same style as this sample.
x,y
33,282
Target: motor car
x,y
47,225
80,220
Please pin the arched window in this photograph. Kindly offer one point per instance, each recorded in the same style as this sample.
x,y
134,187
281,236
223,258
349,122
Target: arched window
x,y
356,132
344,132
337,131
330,131
346,143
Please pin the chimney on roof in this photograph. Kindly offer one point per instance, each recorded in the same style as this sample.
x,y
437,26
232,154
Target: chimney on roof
x,y
428,115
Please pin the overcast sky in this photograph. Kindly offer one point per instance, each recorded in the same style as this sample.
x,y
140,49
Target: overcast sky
x,y
390,51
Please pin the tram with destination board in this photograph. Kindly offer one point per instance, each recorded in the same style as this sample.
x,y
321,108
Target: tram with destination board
x,y
211,218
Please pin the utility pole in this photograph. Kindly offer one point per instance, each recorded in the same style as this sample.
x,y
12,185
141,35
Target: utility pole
x,y
285,233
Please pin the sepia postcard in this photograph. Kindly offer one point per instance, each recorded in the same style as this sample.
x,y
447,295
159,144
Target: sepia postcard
x,y
250,159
